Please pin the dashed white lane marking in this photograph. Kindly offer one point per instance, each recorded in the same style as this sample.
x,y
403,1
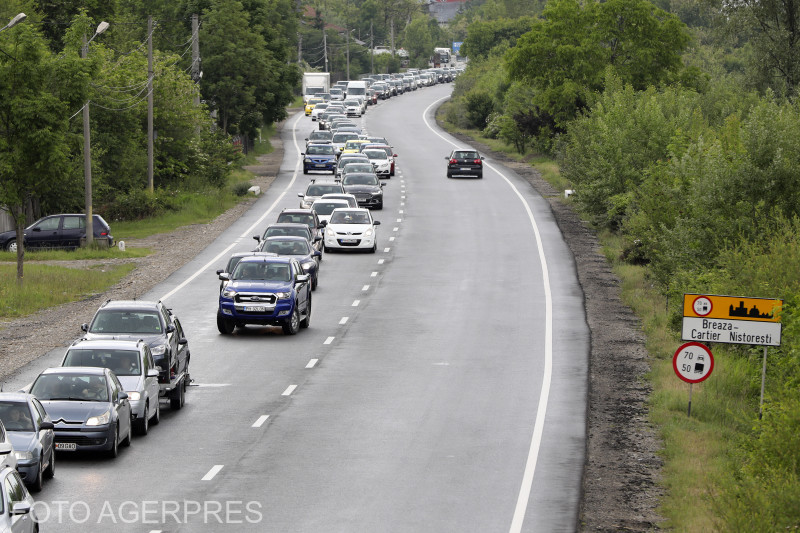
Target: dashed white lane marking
x,y
213,472
329,340
365,288
312,363
401,211
402,197
381,261
289,390
386,250
356,302
260,421
344,320
399,220
373,275
402,203
391,238
395,229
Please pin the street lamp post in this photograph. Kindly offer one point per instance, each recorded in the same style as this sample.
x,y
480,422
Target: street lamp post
x,y
87,154
16,20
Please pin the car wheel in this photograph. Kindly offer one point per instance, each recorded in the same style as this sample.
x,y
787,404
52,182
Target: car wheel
x,y
157,416
11,246
449,175
50,471
326,249
314,283
307,320
374,248
178,397
143,424
225,325
305,170
36,486
292,326
380,206
114,450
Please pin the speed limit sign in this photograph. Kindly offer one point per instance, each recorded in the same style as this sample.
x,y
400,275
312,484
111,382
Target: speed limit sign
x,y
693,362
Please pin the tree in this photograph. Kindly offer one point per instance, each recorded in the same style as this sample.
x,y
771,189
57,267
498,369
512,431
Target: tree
x,y
483,36
34,145
565,55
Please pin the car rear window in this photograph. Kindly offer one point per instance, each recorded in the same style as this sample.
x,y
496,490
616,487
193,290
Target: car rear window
x,y
375,154
119,321
319,190
122,362
466,155
320,150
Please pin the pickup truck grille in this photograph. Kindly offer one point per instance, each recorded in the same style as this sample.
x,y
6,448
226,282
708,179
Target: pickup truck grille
x,y
262,299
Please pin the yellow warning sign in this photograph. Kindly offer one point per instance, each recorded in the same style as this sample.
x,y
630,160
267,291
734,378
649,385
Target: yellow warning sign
x,y
732,307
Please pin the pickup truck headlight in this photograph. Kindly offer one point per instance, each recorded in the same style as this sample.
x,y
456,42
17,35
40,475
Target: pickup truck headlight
x,y
158,349
99,420
228,293
308,265
283,295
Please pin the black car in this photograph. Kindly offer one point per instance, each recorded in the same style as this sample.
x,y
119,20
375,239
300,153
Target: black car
x,y
288,228
298,248
303,216
366,187
149,321
59,231
464,162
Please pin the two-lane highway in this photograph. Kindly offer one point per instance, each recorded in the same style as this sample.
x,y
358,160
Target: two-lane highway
x,y
441,385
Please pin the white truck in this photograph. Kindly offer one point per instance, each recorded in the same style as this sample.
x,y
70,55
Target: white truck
x,y
315,83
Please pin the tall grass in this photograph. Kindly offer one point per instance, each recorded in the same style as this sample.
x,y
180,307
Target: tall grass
x,y
80,254
46,286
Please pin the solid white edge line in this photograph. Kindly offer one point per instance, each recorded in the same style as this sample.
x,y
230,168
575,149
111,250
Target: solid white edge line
x,y
260,421
312,363
247,232
289,390
538,427
213,472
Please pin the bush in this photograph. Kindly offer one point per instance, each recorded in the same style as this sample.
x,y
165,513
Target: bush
x,y
241,188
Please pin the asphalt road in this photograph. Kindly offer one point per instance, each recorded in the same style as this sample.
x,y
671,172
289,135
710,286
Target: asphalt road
x,y
441,386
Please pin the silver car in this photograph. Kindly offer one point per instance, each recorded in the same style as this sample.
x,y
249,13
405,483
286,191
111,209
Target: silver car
x,y
133,364
30,431
16,504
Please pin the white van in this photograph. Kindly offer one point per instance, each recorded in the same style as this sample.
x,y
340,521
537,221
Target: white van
x,y
357,89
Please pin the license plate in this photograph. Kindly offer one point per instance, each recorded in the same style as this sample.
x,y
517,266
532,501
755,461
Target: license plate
x,y
66,446
466,169
255,308
349,241
320,166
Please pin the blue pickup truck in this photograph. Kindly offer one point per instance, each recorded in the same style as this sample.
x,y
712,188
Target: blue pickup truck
x,y
272,291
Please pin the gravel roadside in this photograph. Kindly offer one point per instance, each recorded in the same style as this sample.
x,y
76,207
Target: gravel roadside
x,y
621,477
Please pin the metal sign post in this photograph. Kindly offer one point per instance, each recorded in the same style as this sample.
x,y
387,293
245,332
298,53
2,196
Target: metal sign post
x,y
693,363
763,379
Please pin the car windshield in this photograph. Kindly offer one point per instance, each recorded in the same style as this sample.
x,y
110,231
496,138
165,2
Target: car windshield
x,y
326,208
317,149
350,217
287,247
320,189
262,271
76,387
118,321
375,154
280,232
122,362
360,179
16,416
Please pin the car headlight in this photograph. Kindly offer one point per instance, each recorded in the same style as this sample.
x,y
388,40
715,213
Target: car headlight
x,y
99,420
369,232
379,193
283,295
307,160
329,232
308,265
228,293
23,456
134,396
159,349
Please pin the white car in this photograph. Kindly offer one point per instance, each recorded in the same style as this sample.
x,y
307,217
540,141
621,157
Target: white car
x,y
352,107
323,207
349,198
16,503
380,160
319,108
351,229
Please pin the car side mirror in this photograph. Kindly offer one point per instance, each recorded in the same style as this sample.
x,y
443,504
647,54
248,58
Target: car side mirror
x,y
376,222
317,239
317,253
224,276
299,195
170,328
123,395
220,271
183,341
302,153
20,508
84,327
323,223
152,373
302,278
46,425
447,158
383,185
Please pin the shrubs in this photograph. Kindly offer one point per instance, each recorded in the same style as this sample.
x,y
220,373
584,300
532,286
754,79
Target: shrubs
x,y
140,204
241,188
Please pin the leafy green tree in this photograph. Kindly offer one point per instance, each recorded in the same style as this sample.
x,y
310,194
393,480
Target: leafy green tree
x,y
34,144
485,36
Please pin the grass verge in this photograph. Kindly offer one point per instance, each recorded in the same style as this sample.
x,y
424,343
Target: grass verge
x,y
46,286
76,255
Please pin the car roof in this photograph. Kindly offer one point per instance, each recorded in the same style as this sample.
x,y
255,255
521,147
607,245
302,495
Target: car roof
x,y
296,211
92,370
283,238
357,209
130,304
265,259
287,225
248,254
105,344
370,174
15,396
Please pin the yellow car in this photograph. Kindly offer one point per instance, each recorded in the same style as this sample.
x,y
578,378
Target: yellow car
x,y
354,146
312,102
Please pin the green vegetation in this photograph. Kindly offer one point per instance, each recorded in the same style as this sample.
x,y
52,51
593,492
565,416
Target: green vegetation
x,y
677,129
80,254
47,286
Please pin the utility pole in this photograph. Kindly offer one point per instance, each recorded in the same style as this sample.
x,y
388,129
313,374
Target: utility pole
x,y
150,103
371,50
196,54
392,34
87,160
348,53
325,48
300,49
